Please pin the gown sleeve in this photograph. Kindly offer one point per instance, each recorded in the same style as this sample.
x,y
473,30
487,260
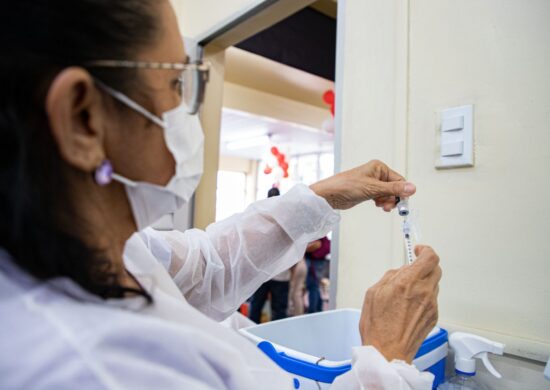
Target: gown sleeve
x,y
371,370
220,268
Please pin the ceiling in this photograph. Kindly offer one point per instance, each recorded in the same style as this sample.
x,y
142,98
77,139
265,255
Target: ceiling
x,y
305,40
292,139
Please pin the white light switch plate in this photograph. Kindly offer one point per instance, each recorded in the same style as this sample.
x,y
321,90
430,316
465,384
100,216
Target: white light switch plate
x,y
452,149
456,138
452,123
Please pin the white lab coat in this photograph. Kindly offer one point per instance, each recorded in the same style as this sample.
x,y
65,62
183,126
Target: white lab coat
x,y
55,335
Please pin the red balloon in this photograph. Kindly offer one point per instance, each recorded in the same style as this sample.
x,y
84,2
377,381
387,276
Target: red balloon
x,y
328,97
275,151
285,174
268,170
284,165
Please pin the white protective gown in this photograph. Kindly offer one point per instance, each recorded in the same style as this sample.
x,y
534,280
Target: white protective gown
x,y
55,335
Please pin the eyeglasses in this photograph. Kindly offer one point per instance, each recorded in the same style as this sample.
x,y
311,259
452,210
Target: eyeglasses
x,y
193,78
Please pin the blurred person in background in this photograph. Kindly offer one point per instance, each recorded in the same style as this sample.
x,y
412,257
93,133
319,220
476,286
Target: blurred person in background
x,y
275,290
296,294
316,254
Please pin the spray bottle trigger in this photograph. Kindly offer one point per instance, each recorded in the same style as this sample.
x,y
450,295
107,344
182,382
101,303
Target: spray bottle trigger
x,y
485,359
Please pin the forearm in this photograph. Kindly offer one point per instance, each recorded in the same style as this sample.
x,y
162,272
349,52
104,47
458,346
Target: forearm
x,y
219,269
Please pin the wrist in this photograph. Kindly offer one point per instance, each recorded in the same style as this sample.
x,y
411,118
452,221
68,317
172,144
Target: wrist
x,y
391,352
320,190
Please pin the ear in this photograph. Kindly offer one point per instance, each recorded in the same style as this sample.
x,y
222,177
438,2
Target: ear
x,y
77,118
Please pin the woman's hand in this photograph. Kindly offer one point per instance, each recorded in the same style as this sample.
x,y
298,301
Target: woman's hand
x,y
401,309
374,180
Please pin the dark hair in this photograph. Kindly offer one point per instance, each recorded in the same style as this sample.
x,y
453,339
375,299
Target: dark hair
x,y
273,192
39,38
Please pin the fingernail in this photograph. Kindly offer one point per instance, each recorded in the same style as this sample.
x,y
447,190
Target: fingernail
x,y
409,188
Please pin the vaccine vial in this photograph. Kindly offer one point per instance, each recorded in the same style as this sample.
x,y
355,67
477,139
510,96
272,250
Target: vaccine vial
x,y
403,206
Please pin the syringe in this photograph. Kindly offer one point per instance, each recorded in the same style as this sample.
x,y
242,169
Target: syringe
x,y
403,210
408,243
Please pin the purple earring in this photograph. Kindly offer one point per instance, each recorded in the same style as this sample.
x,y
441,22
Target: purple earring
x,y
104,173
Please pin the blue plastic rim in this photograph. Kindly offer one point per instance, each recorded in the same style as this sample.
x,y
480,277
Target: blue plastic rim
x,y
465,373
433,342
438,370
328,374
299,367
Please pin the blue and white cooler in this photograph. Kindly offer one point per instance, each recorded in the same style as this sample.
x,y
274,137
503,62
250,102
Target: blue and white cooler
x,y
316,348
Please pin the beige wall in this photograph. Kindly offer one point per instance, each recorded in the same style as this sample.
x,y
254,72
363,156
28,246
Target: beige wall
x,y
208,13
198,19
204,212
495,251
201,18
261,103
248,167
402,63
262,74
368,83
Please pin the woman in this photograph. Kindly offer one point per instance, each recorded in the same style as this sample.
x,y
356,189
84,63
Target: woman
x,y
315,258
97,145
276,289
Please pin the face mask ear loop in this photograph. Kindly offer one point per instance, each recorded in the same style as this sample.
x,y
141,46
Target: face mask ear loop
x,y
130,103
123,180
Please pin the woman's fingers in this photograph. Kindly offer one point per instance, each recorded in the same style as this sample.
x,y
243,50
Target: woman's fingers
x,y
426,262
419,248
383,200
379,189
401,309
390,204
387,203
389,275
389,186
435,277
373,180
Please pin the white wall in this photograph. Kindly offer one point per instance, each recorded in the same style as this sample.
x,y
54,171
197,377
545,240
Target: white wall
x,y
369,82
488,222
400,64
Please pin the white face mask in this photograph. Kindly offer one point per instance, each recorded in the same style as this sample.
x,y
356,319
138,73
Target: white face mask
x,y
185,140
